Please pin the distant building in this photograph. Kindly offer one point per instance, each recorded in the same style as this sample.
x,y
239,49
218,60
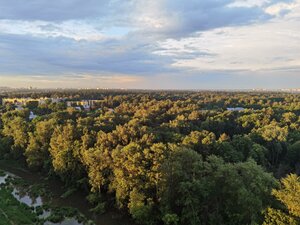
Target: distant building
x,y
19,108
236,109
86,104
57,100
16,101
21,102
86,107
32,116
25,101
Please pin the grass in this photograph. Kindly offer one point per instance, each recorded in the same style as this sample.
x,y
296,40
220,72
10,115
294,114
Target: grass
x,y
12,212
2,173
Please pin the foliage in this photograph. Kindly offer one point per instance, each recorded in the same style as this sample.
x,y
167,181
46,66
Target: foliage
x,y
172,157
14,212
213,192
289,196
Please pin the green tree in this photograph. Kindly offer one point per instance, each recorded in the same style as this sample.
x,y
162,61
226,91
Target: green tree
x,y
37,151
292,157
65,153
289,195
214,192
16,127
200,141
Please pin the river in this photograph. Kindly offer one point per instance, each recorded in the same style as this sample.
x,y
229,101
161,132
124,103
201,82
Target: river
x,y
76,200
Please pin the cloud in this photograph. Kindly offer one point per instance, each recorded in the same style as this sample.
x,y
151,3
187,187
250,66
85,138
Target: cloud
x,y
281,8
74,81
33,55
70,29
171,18
145,41
256,47
203,81
56,10
177,19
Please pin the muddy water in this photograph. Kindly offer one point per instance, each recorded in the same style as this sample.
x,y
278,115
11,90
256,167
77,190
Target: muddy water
x,y
77,200
2,179
26,199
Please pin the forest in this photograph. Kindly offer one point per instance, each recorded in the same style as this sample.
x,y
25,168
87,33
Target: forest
x,y
167,157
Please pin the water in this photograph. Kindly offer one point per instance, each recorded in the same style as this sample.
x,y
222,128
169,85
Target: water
x,y
2,179
24,197
45,214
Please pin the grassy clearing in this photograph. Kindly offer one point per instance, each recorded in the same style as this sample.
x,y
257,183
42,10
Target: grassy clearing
x,y
13,212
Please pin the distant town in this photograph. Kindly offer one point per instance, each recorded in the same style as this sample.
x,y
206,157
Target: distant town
x,y
32,89
32,103
79,105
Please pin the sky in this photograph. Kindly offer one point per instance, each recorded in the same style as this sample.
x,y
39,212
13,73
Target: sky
x,y
150,44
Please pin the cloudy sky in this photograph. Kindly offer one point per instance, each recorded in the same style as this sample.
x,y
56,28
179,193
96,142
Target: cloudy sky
x,y
186,44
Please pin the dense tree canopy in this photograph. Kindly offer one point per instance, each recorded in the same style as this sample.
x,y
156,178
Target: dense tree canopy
x,y
167,157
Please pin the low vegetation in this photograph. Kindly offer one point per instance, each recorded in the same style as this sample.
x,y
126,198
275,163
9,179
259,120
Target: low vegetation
x,y
12,212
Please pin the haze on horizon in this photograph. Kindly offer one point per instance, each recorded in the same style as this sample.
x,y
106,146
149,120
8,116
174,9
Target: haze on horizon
x,y
192,44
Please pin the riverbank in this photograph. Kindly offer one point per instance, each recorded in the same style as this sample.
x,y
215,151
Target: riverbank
x,y
12,212
25,203
55,190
